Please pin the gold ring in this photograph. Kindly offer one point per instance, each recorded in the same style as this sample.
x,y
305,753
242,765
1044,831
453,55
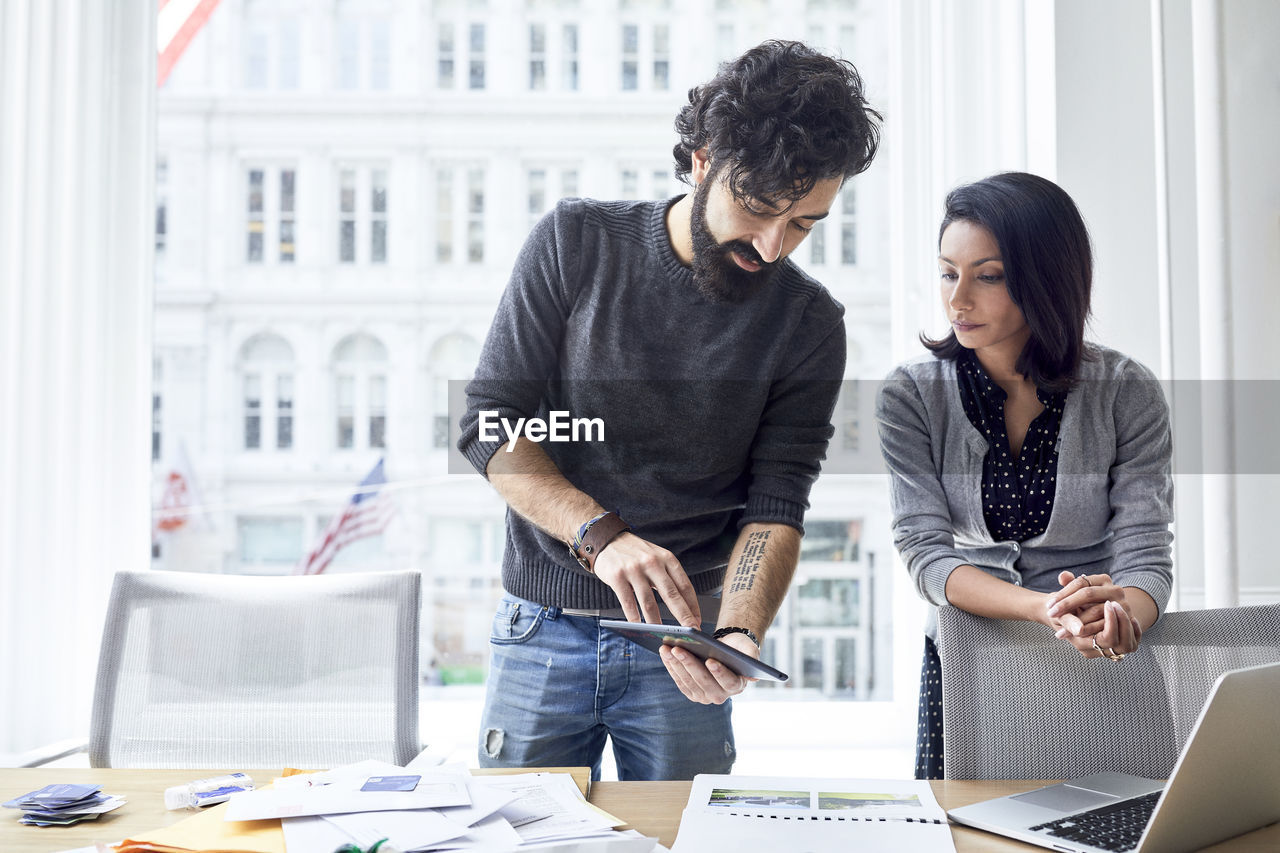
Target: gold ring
x,y
1085,578
1113,654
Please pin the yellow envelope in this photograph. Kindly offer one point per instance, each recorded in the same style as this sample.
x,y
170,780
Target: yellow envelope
x,y
209,832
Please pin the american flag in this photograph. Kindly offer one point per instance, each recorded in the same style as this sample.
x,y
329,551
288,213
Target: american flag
x,y
177,22
366,514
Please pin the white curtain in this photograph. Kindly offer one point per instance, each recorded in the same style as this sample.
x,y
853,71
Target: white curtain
x,y
77,94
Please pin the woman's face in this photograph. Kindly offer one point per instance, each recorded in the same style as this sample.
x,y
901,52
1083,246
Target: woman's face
x,y
975,297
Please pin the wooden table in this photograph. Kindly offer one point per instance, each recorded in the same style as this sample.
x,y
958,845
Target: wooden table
x,y
651,807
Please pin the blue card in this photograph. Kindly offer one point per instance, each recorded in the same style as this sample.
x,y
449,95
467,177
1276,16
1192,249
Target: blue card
x,y
53,795
391,783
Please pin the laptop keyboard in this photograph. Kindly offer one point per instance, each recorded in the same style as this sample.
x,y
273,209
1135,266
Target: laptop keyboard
x,y
1116,827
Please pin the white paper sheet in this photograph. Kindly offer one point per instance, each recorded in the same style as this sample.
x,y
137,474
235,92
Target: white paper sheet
x,y
768,813
409,830
343,795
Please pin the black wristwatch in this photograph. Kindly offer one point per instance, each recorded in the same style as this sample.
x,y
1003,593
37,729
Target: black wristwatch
x,y
723,632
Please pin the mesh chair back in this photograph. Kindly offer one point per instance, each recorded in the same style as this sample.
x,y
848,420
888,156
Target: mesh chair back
x,y
232,671
1019,704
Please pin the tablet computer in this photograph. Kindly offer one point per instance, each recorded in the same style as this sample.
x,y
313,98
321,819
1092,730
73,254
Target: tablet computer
x,y
655,635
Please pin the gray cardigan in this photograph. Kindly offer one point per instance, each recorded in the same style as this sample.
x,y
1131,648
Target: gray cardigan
x,y
1114,499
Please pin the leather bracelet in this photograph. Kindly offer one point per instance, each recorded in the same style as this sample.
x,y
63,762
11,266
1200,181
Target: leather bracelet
x,y
594,536
723,632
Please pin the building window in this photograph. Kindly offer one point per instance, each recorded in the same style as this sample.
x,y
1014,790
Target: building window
x,y
256,50
346,412
460,203
444,215
378,216
460,50
257,225
266,393
363,51
569,54
162,206
630,57
284,412
269,540
290,52
266,39
644,182
646,47
475,65
537,194
252,411
347,216
377,411
726,42
157,408
348,54
475,216
661,57
453,357
379,55
445,56
537,57
547,184
832,36
547,40
848,225
362,215
831,541
849,425
360,367
818,244
271,214
288,213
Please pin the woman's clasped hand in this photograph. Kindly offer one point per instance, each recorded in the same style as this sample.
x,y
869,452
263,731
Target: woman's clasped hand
x,y
1090,613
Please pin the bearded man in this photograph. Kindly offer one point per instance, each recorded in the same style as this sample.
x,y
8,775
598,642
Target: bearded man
x,y
711,365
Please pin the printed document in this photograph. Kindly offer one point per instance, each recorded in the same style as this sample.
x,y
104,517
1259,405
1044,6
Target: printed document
x,y
735,813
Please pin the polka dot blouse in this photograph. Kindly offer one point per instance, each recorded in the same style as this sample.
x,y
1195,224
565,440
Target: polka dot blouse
x,y
1017,493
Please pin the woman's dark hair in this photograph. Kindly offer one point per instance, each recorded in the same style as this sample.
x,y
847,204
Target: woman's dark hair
x,y
1048,268
778,119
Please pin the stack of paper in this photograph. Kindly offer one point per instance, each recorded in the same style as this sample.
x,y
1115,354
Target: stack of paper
x,y
414,810
64,804
446,809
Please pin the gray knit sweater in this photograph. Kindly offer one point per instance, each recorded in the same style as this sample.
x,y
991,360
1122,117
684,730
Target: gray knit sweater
x,y
714,414
1113,502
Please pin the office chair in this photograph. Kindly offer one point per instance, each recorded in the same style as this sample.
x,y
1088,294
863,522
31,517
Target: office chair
x,y
231,671
1017,703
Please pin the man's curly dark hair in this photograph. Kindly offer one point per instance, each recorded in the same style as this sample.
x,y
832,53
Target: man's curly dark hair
x,y
779,118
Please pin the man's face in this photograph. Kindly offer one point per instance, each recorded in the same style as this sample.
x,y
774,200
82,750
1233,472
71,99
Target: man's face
x,y
737,248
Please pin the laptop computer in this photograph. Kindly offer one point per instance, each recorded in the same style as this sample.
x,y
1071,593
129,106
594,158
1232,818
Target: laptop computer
x,y
1226,782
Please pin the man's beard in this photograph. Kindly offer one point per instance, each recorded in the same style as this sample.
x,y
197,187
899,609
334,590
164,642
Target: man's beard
x,y
714,273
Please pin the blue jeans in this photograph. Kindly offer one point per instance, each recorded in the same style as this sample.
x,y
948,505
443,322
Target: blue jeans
x,y
559,684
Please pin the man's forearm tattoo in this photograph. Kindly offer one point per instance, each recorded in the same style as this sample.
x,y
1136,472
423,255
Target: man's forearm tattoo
x,y
744,574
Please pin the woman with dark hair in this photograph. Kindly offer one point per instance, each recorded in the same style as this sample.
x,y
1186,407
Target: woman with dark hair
x,y
1030,471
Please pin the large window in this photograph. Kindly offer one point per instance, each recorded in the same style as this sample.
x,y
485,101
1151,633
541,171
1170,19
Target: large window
x,y
460,212
547,184
461,46
271,214
362,215
360,393
266,382
645,57
362,55
333,254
